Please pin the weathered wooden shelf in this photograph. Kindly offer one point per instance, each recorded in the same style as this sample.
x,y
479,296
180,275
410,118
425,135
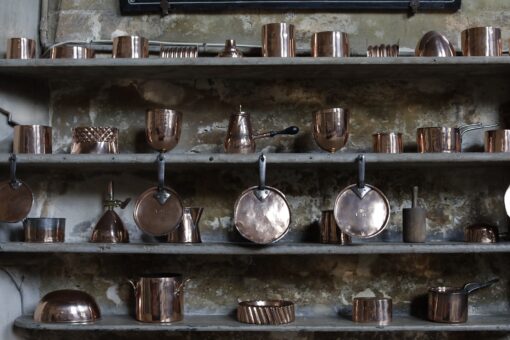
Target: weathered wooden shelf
x,y
251,249
261,68
193,160
221,323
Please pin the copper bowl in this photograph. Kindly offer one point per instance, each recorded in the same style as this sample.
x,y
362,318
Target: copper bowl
x,y
68,306
71,52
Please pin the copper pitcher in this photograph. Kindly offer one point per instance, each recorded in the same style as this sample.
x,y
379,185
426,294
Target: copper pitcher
x,y
187,231
240,137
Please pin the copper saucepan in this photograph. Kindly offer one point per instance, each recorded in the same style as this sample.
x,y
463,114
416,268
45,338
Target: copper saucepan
x,y
497,140
262,214
71,52
35,139
387,142
372,309
16,197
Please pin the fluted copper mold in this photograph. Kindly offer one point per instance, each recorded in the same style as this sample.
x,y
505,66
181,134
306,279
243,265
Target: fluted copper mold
x,y
95,139
178,52
266,312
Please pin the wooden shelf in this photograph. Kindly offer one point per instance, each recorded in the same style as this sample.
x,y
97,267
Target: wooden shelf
x,y
221,323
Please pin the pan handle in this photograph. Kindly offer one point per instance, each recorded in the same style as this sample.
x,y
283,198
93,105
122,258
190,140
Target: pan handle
x,y
262,172
161,194
9,117
361,189
15,183
471,287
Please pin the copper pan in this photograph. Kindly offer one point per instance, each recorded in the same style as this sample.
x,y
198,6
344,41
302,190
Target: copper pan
x,y
262,214
362,210
387,142
20,48
34,139
16,197
71,52
158,210
372,309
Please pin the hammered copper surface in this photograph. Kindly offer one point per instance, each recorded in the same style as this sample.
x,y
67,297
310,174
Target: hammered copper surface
x,y
481,233
262,221
35,139
278,40
16,201
387,142
159,298
497,140
44,229
330,44
482,41
239,137
163,128
266,312
331,128
434,44
95,139
20,48
188,230
67,305
158,219
439,139
128,46
72,52
362,217
372,309
329,230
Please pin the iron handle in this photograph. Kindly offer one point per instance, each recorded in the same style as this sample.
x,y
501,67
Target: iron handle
x,y
291,130
473,286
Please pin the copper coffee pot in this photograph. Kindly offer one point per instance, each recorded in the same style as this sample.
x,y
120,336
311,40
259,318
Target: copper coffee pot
x,y
110,228
240,137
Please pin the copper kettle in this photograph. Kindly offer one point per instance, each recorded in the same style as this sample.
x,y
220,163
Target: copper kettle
x,y
110,228
240,137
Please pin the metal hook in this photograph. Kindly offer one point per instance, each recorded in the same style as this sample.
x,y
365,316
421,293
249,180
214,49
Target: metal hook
x,y
15,183
161,195
361,189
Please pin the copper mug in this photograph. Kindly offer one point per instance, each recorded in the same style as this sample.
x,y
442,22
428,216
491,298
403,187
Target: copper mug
x,y
278,40
187,231
329,230
71,52
128,46
482,41
497,140
33,139
331,128
159,298
20,48
330,44
387,142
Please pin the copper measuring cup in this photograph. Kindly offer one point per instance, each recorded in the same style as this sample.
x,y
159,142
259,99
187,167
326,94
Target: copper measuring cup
x,y
240,137
387,142
20,48
34,139
331,128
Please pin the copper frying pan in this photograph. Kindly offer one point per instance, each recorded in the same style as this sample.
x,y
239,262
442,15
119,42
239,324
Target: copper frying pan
x,y
361,210
16,197
262,213
158,210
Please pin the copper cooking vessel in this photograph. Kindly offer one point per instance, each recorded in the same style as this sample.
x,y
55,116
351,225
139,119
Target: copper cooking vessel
x,y
35,139
387,142
329,230
20,48
72,52
178,52
481,233
127,46
163,128
382,51
44,229
372,309
16,197
482,41
497,140
187,231
278,40
95,140
331,128
230,50
330,44
434,44
67,306
266,312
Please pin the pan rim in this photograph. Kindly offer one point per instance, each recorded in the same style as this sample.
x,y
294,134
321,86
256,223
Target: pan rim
x,y
29,206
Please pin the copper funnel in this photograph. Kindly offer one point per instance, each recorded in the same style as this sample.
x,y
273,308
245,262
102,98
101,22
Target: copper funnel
x,y
187,231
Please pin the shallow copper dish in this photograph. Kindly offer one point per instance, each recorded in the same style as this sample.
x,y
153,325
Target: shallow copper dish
x,y
266,312
68,306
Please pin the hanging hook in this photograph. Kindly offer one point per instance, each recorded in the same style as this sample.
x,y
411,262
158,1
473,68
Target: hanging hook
x,y
15,183
19,287
161,194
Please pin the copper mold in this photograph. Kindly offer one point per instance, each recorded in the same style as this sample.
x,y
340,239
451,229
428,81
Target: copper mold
x,y
330,44
20,48
434,44
266,312
329,230
387,142
278,40
44,230
482,41
71,52
178,52
372,309
67,306
128,46
382,51
96,140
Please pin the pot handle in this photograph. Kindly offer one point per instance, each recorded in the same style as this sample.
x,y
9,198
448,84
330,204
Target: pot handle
x,y
133,284
476,126
361,189
179,290
15,183
261,192
161,195
473,286
291,130
6,113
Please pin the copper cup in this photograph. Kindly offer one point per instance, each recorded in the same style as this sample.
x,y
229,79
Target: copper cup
x,y
20,48
330,44
35,139
390,142
163,128
497,140
278,40
371,309
331,128
482,41
128,46
329,230
481,233
71,52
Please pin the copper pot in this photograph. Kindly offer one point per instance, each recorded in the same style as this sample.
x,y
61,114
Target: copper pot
x,y
329,230
20,48
128,46
35,139
482,41
444,139
44,230
71,52
372,309
481,233
330,44
387,142
497,140
278,40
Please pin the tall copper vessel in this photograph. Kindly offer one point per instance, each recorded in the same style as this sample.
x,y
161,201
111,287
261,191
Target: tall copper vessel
x,y
278,40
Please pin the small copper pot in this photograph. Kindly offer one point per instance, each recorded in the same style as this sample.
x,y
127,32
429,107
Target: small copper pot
x,y
482,41
481,233
20,48
372,309
71,52
128,46
329,230
330,44
35,139
390,142
497,140
44,230
444,139
278,40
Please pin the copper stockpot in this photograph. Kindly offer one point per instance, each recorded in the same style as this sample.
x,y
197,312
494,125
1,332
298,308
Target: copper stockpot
x,y
20,48
44,230
372,309
481,233
387,142
278,40
266,312
159,298
450,304
95,140
444,139
497,140
482,41
331,128
329,230
35,139
71,52
128,46
330,44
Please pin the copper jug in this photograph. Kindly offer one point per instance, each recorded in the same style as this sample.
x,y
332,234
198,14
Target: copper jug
x,y
187,231
240,137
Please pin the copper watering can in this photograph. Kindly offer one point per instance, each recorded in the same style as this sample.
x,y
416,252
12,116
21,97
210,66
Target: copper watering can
x,y
240,137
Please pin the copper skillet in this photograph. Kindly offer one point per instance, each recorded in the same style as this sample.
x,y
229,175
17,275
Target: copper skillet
x,y
158,210
262,213
361,210
16,197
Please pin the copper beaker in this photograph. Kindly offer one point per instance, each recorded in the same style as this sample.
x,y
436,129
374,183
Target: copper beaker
x,y
482,41
330,44
187,231
278,40
163,128
128,46
20,48
331,128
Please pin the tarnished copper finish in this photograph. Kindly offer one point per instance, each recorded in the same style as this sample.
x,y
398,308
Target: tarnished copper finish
x,y
262,214
381,51
95,139
329,230
387,142
497,140
331,128
450,304
188,230
330,44
231,50
278,40
163,128
44,229
159,298
35,139
434,44
16,197
67,305
372,309
20,48
128,46
266,312
482,41
481,233
178,52
72,52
